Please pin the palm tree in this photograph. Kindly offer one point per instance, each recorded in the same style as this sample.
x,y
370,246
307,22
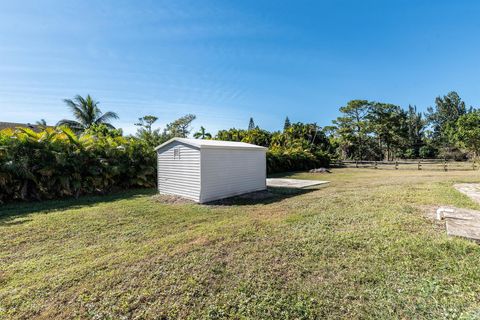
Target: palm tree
x,y
202,134
86,113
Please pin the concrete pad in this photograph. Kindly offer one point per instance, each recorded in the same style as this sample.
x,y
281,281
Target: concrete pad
x,y
472,190
461,222
469,229
293,183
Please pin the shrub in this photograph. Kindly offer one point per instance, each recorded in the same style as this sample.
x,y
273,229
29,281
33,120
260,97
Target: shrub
x,y
282,160
55,163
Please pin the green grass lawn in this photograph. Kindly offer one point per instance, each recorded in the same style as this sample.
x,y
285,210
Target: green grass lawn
x,y
360,247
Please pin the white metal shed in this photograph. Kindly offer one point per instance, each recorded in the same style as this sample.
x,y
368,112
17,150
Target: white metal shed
x,y
207,170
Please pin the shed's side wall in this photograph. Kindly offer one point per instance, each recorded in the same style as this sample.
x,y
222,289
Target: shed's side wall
x,y
230,172
179,176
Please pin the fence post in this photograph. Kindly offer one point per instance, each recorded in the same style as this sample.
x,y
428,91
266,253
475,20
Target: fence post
x,y
445,165
473,165
375,165
419,165
356,163
396,165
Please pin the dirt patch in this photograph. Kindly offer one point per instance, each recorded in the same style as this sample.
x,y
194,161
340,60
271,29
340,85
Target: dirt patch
x,y
170,199
429,211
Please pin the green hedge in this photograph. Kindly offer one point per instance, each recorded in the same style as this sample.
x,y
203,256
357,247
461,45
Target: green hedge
x,y
55,163
281,160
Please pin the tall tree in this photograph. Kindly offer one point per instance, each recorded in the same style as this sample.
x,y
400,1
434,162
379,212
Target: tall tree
x,y
416,132
86,113
352,127
468,132
145,132
180,127
146,122
202,134
387,124
287,124
251,124
443,119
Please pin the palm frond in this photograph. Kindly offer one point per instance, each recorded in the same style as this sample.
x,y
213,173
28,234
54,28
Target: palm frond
x,y
78,111
29,133
71,136
72,124
106,117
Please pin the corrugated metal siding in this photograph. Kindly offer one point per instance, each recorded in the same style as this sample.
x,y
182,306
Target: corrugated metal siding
x,y
180,176
229,172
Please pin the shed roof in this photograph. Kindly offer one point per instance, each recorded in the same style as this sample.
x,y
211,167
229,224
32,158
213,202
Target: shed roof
x,y
200,143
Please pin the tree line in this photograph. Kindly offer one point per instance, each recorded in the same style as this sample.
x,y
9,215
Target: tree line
x,y
86,154
365,130
369,130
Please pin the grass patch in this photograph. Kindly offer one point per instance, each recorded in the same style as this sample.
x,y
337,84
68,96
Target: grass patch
x,y
360,247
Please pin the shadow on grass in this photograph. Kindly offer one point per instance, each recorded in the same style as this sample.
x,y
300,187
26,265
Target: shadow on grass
x,y
11,211
271,195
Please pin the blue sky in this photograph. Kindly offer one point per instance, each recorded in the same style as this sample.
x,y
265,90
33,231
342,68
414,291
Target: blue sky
x,y
226,61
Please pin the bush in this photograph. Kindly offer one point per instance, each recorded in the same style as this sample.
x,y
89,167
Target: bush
x,y
427,152
282,160
56,163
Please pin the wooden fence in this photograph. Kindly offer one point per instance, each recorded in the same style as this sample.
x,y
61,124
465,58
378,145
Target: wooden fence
x,y
411,164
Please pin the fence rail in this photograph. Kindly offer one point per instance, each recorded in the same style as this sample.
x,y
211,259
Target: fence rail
x,y
418,164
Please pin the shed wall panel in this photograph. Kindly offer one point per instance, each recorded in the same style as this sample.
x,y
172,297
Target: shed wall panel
x,y
229,172
179,175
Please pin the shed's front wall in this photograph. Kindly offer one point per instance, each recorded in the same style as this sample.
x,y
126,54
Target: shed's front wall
x,y
230,172
179,171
